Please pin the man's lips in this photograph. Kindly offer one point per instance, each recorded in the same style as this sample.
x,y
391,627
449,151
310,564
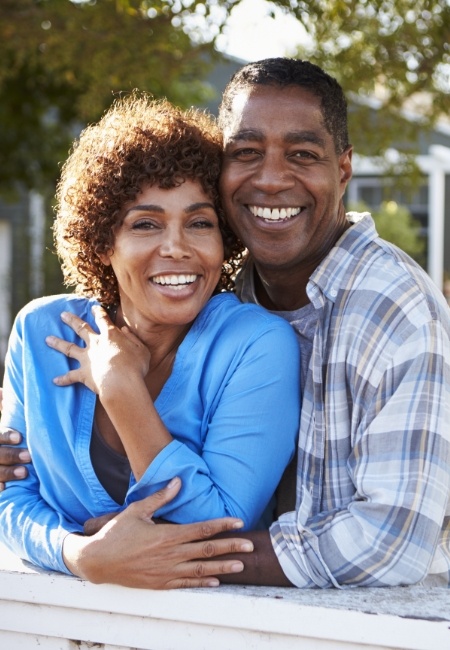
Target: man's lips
x,y
274,214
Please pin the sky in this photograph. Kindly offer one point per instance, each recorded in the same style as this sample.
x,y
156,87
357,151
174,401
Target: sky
x,y
251,34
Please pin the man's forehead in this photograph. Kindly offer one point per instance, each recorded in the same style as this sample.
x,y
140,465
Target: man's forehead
x,y
262,111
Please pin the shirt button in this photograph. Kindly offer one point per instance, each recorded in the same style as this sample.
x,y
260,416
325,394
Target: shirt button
x,y
333,293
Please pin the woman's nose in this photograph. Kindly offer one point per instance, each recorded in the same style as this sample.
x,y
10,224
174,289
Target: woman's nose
x,y
175,244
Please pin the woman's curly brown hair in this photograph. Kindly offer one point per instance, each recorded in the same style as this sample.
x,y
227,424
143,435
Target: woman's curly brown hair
x,y
138,141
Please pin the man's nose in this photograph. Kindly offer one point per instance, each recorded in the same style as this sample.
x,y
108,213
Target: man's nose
x,y
273,174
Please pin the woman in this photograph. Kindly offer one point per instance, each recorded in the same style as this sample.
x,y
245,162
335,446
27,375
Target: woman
x,y
180,379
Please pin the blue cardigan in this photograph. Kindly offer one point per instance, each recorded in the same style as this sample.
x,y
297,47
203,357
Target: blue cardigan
x,y
231,404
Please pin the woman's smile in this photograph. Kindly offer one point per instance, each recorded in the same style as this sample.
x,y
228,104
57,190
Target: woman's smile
x,y
167,254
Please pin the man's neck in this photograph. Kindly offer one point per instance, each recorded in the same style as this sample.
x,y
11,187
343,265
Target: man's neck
x,y
279,291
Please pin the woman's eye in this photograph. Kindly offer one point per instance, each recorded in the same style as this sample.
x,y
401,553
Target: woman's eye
x,y
202,224
144,224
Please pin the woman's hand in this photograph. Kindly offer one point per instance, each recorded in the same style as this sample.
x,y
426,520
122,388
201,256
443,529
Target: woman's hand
x,y
108,357
131,551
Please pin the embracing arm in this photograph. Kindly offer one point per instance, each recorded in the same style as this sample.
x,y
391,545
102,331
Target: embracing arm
x,y
11,458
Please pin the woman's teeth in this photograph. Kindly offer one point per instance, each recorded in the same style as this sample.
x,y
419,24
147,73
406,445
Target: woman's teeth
x,y
174,281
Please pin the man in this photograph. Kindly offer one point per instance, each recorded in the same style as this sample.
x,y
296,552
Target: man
x,y
373,475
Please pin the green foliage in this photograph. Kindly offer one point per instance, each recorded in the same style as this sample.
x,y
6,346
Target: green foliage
x,y
62,61
397,51
395,223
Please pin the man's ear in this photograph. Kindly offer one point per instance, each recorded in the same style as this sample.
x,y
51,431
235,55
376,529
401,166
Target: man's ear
x,y
345,166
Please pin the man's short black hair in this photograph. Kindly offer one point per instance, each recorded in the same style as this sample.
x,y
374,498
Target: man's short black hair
x,y
293,72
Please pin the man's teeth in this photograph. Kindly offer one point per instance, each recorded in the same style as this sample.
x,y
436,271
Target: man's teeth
x,y
176,281
277,214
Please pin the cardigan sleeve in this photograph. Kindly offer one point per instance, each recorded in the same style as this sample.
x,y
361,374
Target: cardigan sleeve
x,y
251,437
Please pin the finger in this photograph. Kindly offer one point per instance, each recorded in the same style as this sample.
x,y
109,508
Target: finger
x,y
216,547
9,436
93,525
205,529
130,336
79,326
71,350
102,318
71,377
149,505
12,473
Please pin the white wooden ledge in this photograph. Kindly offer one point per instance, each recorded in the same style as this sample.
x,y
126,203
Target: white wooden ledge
x,y
50,611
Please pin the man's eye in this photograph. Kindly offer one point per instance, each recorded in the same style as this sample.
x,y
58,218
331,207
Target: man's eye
x,y
305,155
245,153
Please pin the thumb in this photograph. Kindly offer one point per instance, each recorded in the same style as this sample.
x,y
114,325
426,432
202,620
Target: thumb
x,y
149,505
93,525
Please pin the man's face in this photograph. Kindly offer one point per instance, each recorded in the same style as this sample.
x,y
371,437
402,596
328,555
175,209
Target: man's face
x,y
282,181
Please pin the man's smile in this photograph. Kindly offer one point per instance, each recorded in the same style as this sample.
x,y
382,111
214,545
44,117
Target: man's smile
x,y
274,214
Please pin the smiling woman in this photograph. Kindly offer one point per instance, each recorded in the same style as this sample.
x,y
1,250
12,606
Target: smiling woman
x,y
151,370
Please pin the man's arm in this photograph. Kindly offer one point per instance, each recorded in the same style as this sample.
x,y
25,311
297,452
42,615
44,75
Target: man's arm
x,y
261,567
11,459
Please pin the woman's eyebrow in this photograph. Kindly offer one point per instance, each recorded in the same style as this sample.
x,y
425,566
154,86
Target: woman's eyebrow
x,y
145,207
199,206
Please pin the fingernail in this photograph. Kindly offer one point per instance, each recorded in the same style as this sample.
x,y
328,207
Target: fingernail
x,y
15,437
238,524
237,567
64,315
247,546
173,482
213,583
20,472
25,456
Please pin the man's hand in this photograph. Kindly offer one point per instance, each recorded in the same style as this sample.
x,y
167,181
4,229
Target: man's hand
x,y
132,551
11,460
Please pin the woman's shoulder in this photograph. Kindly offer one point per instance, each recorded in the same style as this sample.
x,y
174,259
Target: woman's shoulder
x,y
226,312
48,307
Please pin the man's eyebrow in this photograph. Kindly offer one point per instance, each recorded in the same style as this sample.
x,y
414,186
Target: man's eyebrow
x,y
300,137
246,134
292,137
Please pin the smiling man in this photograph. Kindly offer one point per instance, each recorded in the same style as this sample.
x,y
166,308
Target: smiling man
x,y
373,474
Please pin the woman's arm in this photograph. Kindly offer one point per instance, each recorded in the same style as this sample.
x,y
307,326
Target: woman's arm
x,y
250,438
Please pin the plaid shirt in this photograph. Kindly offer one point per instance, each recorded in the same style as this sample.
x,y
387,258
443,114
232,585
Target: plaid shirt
x,y
373,476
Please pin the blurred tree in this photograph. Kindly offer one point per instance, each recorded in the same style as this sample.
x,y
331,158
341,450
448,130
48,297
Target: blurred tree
x,y
61,61
395,223
392,54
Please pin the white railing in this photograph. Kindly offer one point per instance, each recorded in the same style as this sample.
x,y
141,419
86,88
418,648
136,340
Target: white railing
x,y
51,611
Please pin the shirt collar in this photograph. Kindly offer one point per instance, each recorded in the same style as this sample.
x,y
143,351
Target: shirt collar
x,y
329,275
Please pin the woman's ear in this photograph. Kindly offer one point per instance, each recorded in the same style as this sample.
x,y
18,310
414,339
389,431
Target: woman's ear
x,y
105,258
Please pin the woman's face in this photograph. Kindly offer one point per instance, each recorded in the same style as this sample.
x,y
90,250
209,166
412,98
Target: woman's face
x,y
167,254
